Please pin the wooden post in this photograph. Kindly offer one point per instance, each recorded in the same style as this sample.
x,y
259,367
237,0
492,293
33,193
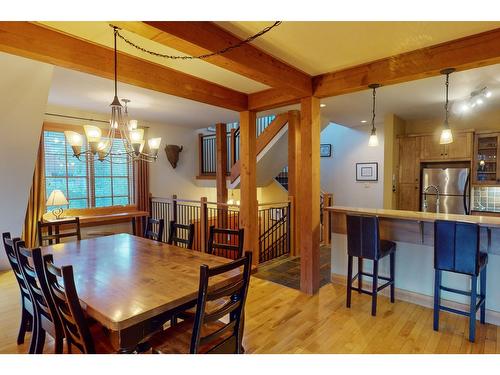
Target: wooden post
x,y
203,224
174,208
308,198
233,147
221,166
248,183
293,176
327,228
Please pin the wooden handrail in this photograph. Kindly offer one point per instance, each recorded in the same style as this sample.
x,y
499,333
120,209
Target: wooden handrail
x,y
263,140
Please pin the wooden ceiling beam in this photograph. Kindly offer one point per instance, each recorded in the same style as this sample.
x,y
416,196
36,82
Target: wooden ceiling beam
x,y
39,43
196,38
470,52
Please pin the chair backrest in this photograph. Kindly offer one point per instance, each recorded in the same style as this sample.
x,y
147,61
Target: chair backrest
x,y
49,232
9,245
227,243
456,247
37,285
181,235
363,237
227,338
67,304
149,230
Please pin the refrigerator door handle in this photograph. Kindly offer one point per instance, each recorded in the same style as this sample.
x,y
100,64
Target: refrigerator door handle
x,y
466,191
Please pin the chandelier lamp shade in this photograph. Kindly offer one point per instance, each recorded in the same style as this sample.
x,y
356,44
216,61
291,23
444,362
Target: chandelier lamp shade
x,y
121,129
446,134
373,140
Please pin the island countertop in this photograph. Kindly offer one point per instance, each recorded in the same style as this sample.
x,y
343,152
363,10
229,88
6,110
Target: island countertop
x,y
429,217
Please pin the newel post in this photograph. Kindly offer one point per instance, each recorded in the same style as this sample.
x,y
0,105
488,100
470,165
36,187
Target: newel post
x,y
203,224
174,208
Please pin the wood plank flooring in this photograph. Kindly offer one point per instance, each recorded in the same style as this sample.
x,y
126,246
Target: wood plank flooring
x,y
283,320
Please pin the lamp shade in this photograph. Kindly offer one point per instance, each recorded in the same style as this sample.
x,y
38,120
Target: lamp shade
x,y
57,198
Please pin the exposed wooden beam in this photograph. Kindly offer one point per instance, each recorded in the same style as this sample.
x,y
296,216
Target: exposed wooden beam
x,y
271,98
42,44
196,38
472,51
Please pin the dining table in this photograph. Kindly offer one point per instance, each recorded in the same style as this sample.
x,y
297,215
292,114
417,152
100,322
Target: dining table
x,y
132,285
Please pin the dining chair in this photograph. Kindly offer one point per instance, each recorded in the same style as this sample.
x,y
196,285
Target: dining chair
x,y
363,242
181,235
227,243
49,231
149,231
207,333
27,312
89,339
456,249
46,318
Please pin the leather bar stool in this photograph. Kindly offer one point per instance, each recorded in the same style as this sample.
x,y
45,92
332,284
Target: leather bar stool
x,y
456,249
363,242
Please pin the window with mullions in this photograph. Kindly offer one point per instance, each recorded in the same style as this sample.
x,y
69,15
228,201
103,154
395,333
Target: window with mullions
x,y
86,182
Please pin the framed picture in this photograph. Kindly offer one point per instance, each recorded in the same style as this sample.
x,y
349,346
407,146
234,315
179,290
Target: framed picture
x,y
325,150
367,171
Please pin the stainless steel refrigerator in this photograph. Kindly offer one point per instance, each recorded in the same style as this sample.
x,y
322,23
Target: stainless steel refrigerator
x,y
453,185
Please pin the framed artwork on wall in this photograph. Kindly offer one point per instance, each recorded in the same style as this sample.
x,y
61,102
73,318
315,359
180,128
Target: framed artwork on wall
x,y
325,150
367,171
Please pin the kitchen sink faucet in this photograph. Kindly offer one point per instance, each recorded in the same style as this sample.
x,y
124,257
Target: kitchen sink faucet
x,y
425,197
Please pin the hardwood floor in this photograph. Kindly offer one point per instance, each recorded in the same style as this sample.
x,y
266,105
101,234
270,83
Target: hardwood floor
x,y
283,320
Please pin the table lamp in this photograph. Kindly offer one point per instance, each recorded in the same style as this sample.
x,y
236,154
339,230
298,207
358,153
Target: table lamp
x,y
57,198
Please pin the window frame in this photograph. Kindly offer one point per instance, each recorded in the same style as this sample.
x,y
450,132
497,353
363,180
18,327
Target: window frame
x,y
90,178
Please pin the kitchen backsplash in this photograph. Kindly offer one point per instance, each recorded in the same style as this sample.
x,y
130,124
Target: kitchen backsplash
x,y
486,198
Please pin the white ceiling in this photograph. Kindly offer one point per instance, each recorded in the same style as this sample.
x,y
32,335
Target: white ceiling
x,y
94,94
421,99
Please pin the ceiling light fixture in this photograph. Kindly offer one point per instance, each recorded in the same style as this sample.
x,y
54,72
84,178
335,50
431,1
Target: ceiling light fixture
x,y
446,135
363,121
373,141
322,105
121,129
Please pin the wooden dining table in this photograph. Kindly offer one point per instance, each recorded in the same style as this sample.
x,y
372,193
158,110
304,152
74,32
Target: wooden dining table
x,y
132,285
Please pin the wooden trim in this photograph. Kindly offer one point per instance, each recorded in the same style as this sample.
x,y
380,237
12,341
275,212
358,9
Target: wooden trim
x,y
262,141
200,37
43,44
492,317
455,131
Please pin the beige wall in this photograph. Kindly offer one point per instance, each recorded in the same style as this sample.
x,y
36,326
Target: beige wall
x,y
24,88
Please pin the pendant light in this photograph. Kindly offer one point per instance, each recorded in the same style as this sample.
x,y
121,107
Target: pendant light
x,y
446,135
373,141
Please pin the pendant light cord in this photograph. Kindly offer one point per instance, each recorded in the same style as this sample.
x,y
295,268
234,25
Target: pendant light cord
x,y
446,101
116,58
373,109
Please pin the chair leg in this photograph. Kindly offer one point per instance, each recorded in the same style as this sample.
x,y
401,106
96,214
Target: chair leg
x,y
472,308
24,326
392,260
374,287
34,333
349,280
360,276
437,298
58,342
482,282
40,339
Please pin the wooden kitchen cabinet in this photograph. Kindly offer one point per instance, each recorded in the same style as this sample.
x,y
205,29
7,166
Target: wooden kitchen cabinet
x,y
485,167
409,173
459,149
408,197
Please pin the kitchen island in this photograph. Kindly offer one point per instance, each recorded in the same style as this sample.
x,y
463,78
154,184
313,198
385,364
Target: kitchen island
x,y
413,232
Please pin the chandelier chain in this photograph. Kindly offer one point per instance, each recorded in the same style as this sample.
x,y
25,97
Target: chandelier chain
x,y
204,56
446,101
373,108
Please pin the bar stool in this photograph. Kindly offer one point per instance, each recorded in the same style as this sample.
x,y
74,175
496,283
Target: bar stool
x,y
363,242
456,249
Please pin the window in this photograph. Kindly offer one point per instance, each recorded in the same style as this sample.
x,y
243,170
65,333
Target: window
x,y
86,182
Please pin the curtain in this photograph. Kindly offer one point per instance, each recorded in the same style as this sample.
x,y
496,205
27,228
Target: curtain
x,y
141,173
36,201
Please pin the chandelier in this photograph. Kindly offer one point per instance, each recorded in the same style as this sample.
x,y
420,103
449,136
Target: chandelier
x,y
121,129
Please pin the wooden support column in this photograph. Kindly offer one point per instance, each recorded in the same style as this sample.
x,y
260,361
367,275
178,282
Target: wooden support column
x,y
248,183
221,167
308,199
293,177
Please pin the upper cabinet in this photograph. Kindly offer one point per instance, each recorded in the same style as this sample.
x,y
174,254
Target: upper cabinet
x,y
486,169
459,149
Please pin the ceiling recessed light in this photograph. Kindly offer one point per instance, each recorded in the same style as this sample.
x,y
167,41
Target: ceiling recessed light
x,y
363,121
322,105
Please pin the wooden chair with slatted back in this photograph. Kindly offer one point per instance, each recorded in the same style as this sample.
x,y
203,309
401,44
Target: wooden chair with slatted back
x,y
181,235
76,328
27,312
49,231
149,231
46,317
227,243
207,334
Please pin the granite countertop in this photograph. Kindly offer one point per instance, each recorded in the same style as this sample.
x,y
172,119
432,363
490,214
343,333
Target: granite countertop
x,y
484,221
